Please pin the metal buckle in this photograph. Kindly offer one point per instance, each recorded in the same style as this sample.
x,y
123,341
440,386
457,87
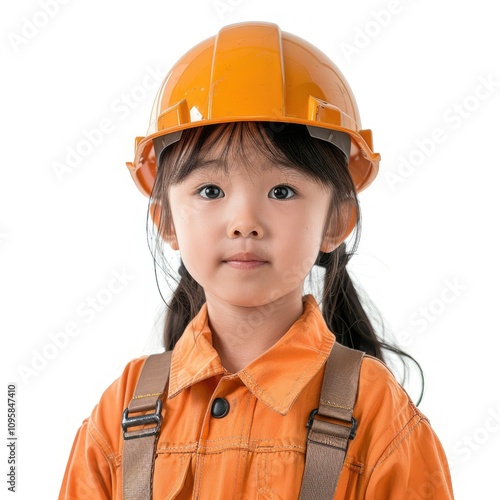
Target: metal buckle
x,y
311,418
354,423
149,418
354,428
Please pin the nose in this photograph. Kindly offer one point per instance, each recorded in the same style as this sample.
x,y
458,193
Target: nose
x,y
245,222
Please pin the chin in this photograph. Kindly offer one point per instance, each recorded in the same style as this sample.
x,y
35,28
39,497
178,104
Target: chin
x,y
253,299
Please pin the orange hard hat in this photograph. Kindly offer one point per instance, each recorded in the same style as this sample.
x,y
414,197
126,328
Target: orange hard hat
x,y
255,72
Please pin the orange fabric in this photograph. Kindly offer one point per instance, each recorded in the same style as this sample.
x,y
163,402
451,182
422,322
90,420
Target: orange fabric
x,y
257,450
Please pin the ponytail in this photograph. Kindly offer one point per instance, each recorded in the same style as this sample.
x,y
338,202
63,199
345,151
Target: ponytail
x,y
342,309
345,315
185,303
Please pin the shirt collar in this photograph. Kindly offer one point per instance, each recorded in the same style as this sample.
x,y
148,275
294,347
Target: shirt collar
x,y
277,377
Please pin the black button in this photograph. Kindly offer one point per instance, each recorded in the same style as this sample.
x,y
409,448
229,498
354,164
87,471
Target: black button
x,y
220,408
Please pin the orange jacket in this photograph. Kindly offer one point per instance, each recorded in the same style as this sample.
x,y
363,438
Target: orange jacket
x,y
257,449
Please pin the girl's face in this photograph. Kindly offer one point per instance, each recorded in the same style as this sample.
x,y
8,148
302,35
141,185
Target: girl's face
x,y
249,234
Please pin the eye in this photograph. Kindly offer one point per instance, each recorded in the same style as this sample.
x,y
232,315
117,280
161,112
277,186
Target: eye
x,y
211,191
281,192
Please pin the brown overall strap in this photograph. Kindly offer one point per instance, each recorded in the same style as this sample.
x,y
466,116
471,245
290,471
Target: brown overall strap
x,y
332,424
139,445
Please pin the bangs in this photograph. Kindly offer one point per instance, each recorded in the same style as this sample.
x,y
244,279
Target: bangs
x,y
284,144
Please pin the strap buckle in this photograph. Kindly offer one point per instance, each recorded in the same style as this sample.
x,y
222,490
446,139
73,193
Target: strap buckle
x,y
354,423
148,418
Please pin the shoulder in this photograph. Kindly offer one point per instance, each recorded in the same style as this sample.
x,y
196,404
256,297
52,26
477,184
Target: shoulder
x,y
378,386
395,452
95,458
104,423
119,393
387,417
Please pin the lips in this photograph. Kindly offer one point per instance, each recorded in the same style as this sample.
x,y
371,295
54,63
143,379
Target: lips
x,y
244,257
245,260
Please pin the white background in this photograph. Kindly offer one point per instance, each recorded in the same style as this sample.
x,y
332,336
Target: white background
x,y
428,241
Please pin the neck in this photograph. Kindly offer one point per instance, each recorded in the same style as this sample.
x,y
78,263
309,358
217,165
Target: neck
x,y
242,334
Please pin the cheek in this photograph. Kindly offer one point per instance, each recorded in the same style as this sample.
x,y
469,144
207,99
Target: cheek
x,y
182,215
312,229
300,251
183,219
188,238
306,243
191,250
195,237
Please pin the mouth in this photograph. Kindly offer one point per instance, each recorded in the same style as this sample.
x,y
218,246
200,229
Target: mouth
x,y
245,260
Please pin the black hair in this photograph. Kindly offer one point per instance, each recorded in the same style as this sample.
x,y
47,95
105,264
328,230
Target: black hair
x,y
291,144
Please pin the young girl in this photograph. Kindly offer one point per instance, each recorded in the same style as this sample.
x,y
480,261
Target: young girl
x,y
252,164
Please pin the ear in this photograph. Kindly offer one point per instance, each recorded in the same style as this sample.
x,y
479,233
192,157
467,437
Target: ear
x,y
167,234
339,229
